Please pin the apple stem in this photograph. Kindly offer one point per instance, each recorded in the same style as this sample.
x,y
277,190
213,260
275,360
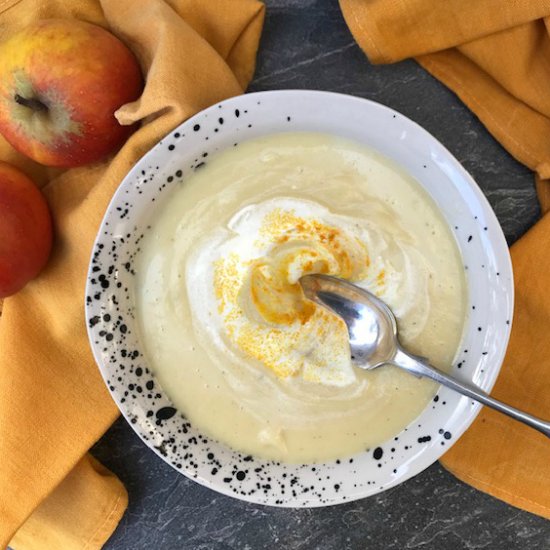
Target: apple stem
x,y
31,103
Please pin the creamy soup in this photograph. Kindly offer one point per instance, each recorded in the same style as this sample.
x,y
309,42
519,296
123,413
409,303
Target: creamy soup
x,y
226,327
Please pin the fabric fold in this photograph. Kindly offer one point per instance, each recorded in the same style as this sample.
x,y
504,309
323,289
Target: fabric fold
x,y
53,402
393,30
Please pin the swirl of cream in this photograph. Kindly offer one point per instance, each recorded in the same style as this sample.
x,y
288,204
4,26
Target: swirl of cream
x,y
250,302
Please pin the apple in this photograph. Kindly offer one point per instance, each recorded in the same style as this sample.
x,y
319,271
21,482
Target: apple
x,y
61,81
25,230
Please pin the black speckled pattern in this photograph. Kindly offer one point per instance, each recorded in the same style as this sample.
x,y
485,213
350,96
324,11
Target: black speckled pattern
x,y
113,331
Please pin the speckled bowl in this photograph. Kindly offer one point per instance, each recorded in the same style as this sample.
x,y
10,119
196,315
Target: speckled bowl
x,y
114,335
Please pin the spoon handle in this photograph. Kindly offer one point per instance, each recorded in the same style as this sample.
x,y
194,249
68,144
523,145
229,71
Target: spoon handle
x,y
419,368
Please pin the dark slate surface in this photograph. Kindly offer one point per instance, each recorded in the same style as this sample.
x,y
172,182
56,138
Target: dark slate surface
x,y
307,45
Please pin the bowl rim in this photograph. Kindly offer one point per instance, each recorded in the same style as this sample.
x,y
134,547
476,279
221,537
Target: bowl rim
x,y
489,380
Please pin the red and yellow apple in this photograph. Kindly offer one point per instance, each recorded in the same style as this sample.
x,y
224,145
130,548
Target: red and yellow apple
x,y
25,230
61,81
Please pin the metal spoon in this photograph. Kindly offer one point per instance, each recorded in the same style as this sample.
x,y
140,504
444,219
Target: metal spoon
x,y
373,340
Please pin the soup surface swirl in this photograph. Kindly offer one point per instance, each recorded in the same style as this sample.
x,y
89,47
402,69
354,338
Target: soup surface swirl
x,y
227,329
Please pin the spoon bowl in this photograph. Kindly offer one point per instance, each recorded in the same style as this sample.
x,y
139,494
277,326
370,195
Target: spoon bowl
x,y
373,339
372,327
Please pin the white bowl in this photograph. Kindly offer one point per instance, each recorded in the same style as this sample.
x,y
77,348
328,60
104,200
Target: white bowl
x,y
114,335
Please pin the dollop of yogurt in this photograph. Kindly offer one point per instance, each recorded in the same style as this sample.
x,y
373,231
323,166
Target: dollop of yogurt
x,y
243,289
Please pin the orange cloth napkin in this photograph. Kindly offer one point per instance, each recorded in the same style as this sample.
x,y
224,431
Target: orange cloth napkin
x,y
495,55
53,402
